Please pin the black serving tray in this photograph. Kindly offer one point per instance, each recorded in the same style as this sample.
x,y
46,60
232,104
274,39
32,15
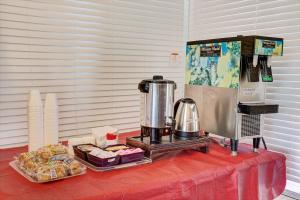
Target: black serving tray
x,y
154,151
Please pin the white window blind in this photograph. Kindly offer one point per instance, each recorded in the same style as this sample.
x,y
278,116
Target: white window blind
x,y
278,18
91,53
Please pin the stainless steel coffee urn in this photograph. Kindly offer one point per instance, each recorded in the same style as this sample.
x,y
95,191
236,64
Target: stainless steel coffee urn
x,y
157,108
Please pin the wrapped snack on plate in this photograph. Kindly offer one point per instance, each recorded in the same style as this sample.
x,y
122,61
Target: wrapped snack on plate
x,y
51,170
60,157
49,163
73,166
30,166
24,157
45,153
28,161
56,149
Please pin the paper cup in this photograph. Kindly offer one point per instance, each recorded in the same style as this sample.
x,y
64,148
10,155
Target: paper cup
x,y
50,120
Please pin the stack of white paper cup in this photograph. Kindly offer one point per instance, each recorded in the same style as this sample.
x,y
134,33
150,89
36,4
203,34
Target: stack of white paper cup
x,y
50,120
35,121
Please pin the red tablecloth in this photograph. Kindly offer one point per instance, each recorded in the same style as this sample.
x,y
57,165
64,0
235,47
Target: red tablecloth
x,y
186,175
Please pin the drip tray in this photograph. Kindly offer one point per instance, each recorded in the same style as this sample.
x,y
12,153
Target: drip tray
x,y
257,108
154,151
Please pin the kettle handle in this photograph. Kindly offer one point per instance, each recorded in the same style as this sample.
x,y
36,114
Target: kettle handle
x,y
176,106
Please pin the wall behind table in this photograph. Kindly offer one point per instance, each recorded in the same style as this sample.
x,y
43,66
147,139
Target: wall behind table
x,y
92,54
278,18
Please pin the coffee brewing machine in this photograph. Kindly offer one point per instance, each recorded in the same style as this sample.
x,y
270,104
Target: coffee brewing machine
x,y
227,79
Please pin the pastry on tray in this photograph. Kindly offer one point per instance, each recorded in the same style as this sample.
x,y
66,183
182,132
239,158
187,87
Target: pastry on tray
x,y
44,154
102,153
51,170
116,147
26,155
28,161
74,167
86,147
57,149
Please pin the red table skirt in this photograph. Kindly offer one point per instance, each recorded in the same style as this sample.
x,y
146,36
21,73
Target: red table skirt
x,y
184,175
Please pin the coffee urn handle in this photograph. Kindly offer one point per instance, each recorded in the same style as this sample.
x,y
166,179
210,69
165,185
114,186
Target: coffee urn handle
x,y
143,87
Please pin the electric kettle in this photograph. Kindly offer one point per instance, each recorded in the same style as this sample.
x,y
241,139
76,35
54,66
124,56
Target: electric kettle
x,y
187,119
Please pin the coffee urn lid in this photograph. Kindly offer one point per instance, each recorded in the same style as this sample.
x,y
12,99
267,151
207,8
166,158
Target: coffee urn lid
x,y
144,84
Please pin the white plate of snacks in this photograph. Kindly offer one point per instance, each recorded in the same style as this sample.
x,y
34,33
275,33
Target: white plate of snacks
x,y
49,163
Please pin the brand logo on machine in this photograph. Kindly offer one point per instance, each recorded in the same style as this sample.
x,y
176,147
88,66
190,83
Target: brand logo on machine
x,y
268,44
210,51
249,91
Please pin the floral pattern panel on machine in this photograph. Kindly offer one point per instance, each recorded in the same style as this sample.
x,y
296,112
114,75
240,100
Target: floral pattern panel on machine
x,y
268,47
216,71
